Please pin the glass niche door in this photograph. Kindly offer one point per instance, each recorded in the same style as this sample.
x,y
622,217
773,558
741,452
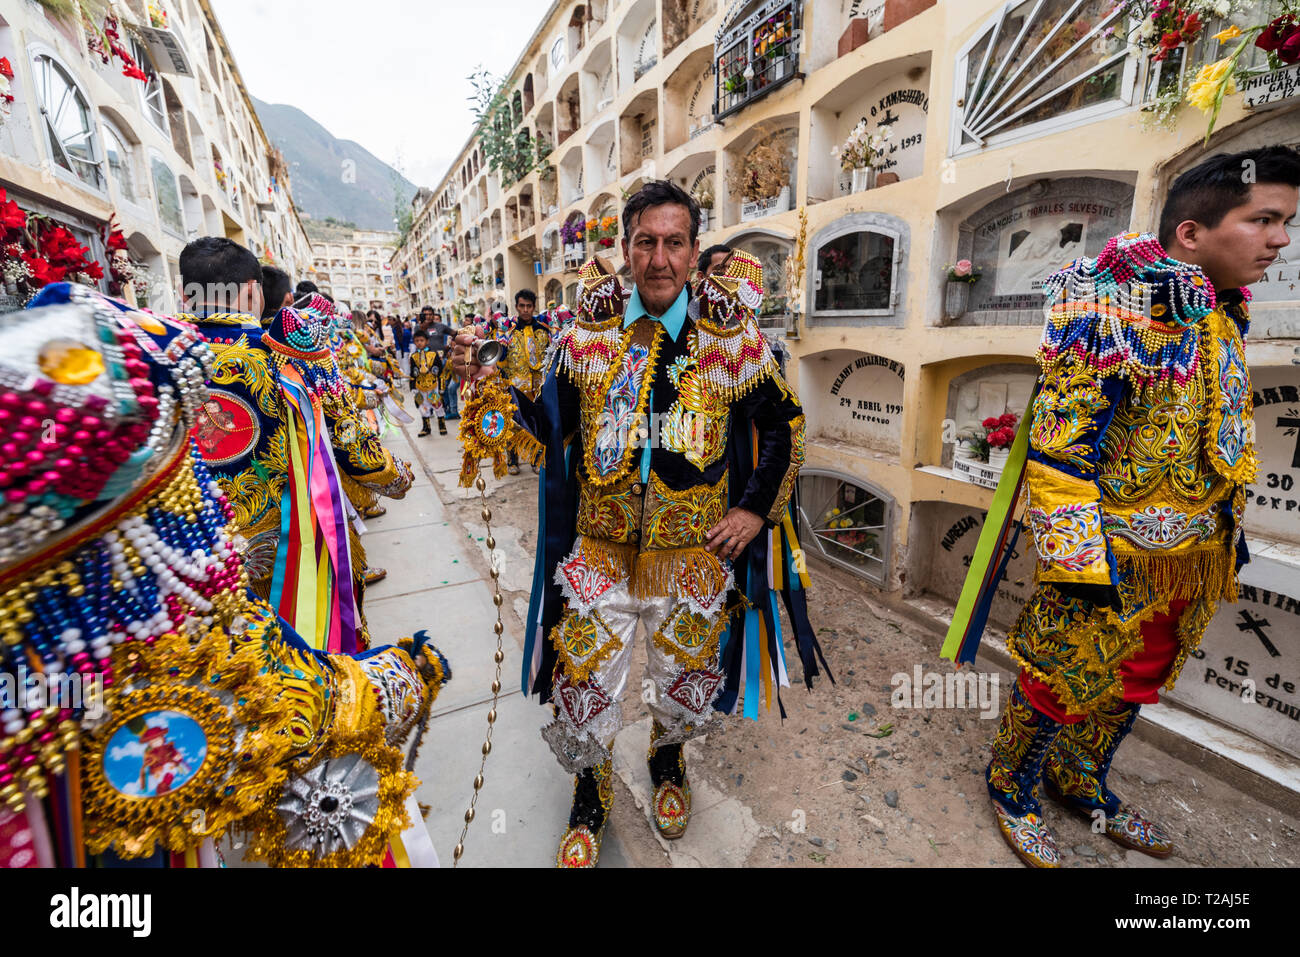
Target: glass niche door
x,y
846,522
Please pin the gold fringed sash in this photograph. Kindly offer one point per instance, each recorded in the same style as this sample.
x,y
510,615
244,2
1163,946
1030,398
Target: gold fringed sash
x,y
676,570
655,574
1205,573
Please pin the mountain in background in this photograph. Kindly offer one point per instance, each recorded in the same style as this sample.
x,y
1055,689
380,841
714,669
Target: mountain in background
x,y
333,177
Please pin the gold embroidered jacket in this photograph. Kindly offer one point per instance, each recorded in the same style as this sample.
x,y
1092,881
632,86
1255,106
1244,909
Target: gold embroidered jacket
x,y
1140,450
525,363
243,432
646,517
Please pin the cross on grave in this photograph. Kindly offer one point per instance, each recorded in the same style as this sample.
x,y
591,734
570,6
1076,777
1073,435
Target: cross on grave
x,y
1292,422
889,119
1250,623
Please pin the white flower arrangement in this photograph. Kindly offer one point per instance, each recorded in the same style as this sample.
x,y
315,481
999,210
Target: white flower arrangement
x,y
862,146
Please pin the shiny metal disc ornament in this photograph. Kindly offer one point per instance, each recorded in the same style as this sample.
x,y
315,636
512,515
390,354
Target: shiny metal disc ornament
x,y
328,807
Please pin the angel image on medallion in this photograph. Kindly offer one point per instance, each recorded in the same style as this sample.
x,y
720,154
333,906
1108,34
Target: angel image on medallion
x,y
154,754
493,424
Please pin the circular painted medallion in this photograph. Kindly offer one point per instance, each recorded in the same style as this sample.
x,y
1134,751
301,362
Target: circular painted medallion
x,y
155,753
493,424
227,429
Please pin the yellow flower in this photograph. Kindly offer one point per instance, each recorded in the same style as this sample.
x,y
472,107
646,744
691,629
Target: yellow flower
x,y
1230,33
1205,88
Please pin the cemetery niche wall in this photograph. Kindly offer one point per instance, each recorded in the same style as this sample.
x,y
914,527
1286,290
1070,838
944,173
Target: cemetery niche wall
x,y
941,540
1020,239
855,397
983,393
888,99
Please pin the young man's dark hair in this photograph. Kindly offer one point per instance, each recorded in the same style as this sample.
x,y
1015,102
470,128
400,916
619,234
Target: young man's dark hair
x,y
305,288
658,193
1210,190
328,298
276,284
527,295
706,257
211,264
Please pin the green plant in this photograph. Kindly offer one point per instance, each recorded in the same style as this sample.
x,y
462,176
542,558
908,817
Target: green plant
x,y
734,84
512,155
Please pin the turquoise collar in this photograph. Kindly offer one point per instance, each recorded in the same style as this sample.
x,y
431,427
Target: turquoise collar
x,y
672,320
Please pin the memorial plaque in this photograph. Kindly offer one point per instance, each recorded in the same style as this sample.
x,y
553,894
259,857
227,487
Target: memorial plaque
x,y
899,104
1021,239
1271,89
1273,501
859,399
1246,673
941,557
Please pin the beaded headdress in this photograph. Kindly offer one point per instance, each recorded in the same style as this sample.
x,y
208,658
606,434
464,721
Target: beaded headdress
x,y
600,294
734,291
87,396
1133,311
160,702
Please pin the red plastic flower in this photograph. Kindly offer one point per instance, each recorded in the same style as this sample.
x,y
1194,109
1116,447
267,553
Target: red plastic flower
x,y
990,423
1008,421
6,70
116,241
94,270
1275,33
12,215
42,272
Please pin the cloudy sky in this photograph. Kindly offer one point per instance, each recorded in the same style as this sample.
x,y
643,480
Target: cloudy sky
x,y
390,75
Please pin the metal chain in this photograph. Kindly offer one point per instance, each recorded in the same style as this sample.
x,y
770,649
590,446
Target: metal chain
x,y
499,657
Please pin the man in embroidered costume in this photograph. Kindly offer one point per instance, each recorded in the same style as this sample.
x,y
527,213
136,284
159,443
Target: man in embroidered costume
x,y
528,341
658,533
204,713
1140,449
276,413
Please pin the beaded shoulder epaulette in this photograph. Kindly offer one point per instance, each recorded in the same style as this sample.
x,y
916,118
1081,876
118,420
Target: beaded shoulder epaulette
x,y
589,348
1134,311
730,351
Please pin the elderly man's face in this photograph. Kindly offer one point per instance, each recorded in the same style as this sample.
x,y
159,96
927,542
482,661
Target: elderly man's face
x,y
659,253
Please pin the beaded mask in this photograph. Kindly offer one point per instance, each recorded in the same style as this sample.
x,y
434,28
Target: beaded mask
x,y
733,292
87,398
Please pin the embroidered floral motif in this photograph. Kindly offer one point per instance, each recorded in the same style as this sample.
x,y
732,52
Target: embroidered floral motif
x,y
611,514
614,413
581,584
682,519
1161,526
1154,441
578,640
695,690
689,637
1064,413
1232,412
1068,537
696,425
582,701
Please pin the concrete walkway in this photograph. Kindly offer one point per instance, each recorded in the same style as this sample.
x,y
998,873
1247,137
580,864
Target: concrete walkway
x,y
438,581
